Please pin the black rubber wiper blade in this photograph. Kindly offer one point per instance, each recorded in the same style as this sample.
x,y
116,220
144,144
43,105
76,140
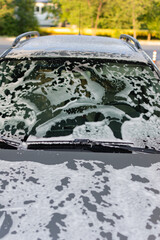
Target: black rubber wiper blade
x,y
130,147
90,145
10,143
144,150
81,144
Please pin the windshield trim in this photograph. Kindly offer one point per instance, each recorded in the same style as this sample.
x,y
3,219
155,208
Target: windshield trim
x,y
77,58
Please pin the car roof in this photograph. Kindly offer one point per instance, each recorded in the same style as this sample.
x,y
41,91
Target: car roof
x,y
77,46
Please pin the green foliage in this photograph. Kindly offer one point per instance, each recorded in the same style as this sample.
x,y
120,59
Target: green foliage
x,y
83,13
17,16
114,14
24,16
120,14
75,12
7,23
152,16
6,7
54,11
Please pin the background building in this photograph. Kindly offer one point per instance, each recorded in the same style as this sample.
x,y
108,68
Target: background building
x,y
43,13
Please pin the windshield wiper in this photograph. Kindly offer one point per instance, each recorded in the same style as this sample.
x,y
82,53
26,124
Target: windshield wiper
x,y
11,143
76,144
79,144
88,145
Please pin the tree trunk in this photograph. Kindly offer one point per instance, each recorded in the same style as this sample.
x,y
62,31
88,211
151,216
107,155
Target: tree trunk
x,y
149,36
134,19
92,20
89,3
98,15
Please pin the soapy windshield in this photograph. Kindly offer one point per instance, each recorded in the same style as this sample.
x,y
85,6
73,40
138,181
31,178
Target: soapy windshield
x,y
80,98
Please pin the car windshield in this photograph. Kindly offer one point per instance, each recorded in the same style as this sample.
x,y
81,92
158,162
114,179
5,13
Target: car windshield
x,y
80,98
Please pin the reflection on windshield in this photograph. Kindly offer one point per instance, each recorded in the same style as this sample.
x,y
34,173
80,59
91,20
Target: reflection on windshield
x,y
80,99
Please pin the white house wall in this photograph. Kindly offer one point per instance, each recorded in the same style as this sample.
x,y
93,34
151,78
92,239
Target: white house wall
x,y
44,19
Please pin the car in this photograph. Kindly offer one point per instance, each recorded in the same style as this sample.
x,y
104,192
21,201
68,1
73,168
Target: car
x,y
79,139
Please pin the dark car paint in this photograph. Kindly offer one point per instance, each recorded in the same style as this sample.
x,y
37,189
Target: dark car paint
x,y
22,173
118,161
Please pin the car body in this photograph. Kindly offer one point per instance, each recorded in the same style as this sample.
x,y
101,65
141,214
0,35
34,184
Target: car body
x,y
80,139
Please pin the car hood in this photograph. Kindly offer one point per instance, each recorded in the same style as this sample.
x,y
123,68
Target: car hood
x,y
79,195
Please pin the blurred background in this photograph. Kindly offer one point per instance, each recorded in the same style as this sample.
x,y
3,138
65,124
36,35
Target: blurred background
x,y
110,18
94,17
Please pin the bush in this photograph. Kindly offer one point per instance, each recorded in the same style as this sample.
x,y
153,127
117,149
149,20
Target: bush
x,y
141,34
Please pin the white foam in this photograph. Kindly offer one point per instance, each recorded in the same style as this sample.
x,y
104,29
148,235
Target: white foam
x,y
90,201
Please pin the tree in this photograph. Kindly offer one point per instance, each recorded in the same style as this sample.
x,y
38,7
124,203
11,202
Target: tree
x,y
115,15
7,23
138,8
5,7
83,13
152,17
75,12
17,16
121,14
24,16
96,11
